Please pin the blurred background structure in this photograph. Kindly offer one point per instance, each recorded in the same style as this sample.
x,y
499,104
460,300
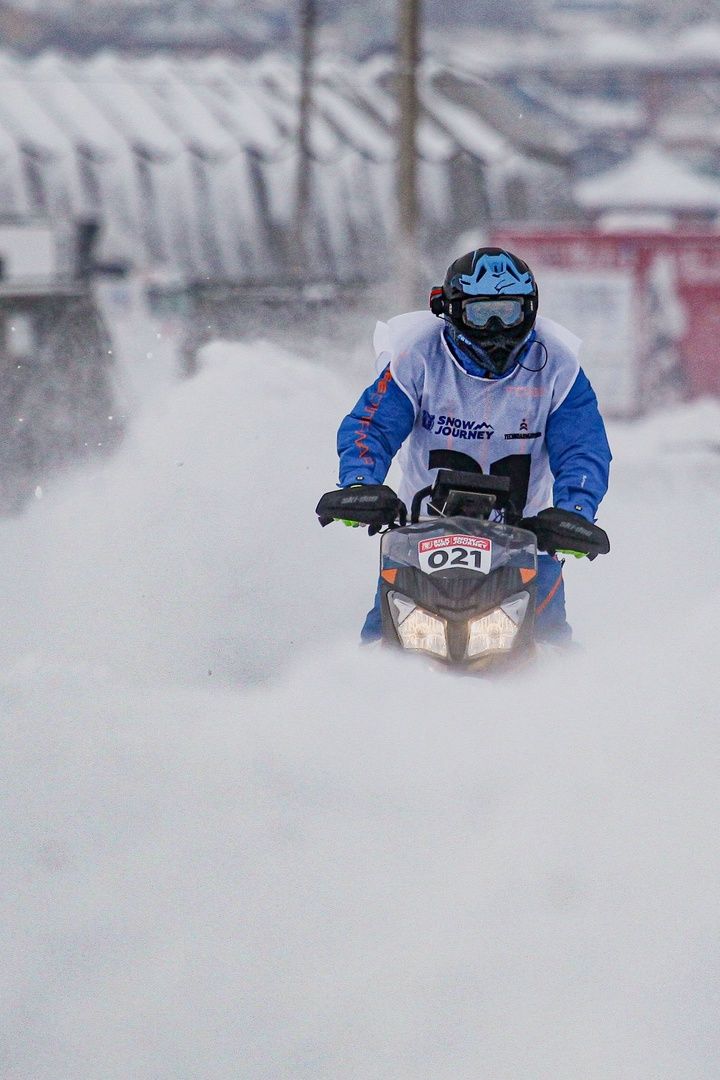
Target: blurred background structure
x,y
154,155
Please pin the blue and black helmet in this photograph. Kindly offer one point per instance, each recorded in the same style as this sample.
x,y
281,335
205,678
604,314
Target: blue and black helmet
x,y
489,299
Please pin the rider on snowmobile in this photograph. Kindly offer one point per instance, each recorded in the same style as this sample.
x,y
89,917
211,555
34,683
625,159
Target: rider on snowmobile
x,y
480,382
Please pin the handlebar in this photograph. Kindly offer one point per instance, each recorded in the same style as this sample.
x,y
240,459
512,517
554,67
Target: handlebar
x,y
378,507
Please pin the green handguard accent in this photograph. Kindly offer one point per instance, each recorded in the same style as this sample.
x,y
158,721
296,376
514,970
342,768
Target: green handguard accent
x,y
567,551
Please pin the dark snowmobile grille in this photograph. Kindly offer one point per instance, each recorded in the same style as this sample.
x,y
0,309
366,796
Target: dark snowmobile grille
x,y
458,592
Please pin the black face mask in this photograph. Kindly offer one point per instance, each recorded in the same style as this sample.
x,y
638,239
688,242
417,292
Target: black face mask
x,y
496,354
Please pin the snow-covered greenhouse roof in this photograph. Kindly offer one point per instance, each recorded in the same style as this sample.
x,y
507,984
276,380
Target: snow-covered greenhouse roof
x,y
589,48
651,179
190,164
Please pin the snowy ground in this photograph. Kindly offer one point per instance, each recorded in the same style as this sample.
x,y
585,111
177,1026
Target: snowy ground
x,y
236,848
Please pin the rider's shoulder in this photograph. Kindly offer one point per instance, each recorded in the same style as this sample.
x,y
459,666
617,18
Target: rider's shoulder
x,y
562,345
414,330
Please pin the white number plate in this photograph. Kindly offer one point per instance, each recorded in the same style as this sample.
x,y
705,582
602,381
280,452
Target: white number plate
x,y
467,552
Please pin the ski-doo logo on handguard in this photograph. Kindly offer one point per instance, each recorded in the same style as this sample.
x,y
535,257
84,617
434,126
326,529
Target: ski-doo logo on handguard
x,y
493,274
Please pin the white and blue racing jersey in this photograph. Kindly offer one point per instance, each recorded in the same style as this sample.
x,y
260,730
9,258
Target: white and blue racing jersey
x,y
539,424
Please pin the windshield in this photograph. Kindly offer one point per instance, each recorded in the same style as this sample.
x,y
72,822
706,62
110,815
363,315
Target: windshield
x,y
443,546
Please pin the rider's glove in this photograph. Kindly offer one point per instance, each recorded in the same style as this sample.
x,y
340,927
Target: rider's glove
x,y
567,532
375,505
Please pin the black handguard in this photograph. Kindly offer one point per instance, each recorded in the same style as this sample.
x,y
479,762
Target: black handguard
x,y
565,530
375,505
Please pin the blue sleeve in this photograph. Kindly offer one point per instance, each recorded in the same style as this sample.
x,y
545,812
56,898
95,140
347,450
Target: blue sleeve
x,y
579,452
373,432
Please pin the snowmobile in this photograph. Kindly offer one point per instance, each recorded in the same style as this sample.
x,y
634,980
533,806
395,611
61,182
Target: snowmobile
x,y
457,585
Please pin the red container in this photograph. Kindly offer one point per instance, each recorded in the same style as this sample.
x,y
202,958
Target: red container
x,y
688,264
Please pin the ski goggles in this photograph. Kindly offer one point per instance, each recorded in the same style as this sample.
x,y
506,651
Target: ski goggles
x,y
477,313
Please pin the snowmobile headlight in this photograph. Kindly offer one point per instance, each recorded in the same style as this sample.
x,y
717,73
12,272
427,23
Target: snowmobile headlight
x,y
496,631
417,628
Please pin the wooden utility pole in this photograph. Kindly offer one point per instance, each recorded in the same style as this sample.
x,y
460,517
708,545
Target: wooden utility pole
x,y
408,58
303,185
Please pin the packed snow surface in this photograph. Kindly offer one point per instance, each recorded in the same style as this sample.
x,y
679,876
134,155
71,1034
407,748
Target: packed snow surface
x,y
236,847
